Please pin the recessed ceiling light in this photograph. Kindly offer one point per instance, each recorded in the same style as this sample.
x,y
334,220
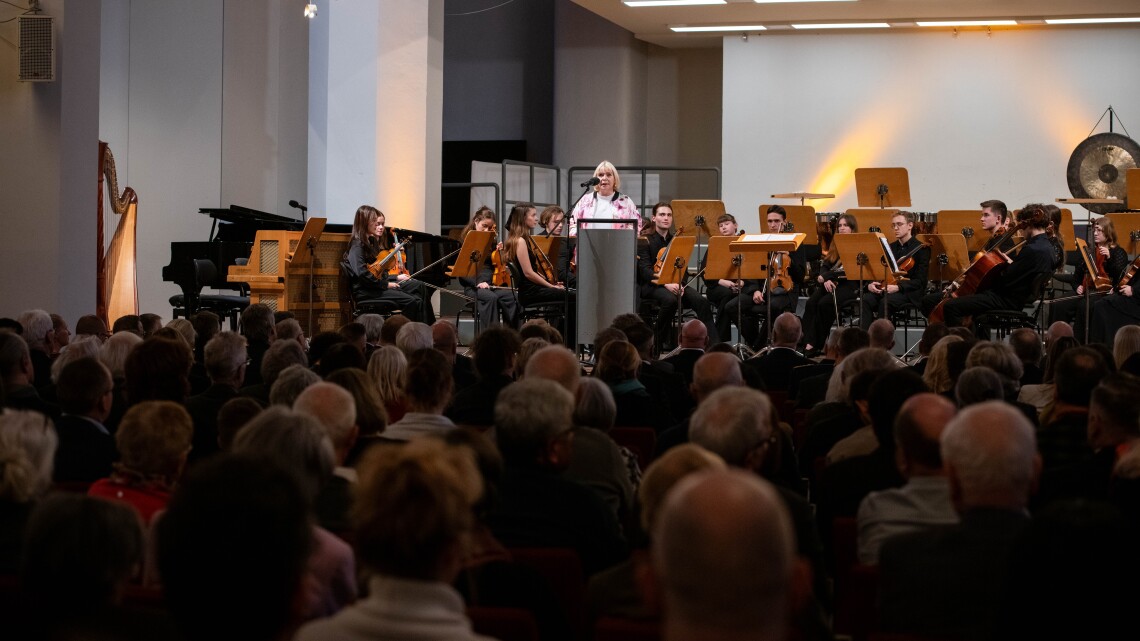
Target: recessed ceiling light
x,y
1089,20
725,27
776,1
844,25
969,23
669,3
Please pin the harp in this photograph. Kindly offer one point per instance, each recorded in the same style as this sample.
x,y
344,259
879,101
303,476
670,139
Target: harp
x,y
116,289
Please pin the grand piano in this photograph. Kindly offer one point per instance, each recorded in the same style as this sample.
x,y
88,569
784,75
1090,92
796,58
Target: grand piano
x,y
275,273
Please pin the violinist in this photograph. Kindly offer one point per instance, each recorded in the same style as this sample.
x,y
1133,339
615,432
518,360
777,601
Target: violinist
x,y
721,291
658,233
832,291
787,269
369,239
539,282
1016,286
995,220
908,290
1110,261
1121,307
491,285
553,223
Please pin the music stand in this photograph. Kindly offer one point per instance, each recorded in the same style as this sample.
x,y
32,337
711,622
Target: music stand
x,y
858,251
882,187
729,265
1127,226
697,218
1132,184
305,253
873,220
803,195
674,268
767,244
950,252
472,254
550,245
968,223
801,218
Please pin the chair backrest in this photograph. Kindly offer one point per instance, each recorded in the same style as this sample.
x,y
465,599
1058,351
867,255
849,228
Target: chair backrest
x,y
350,280
642,441
505,624
205,271
563,570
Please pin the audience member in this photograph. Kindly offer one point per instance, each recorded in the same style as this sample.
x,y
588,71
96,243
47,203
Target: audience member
x,y
86,448
27,448
412,522
391,328
150,323
39,334
290,383
692,342
158,369
371,418
495,352
18,376
1030,351
280,356
445,338
388,369
259,329
618,364
233,416
225,359
1062,438
978,384
925,498
429,389
526,350
232,550
335,409
413,336
297,442
949,581
781,356
92,325
153,440
710,373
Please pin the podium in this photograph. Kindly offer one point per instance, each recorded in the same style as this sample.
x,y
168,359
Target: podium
x,y
607,275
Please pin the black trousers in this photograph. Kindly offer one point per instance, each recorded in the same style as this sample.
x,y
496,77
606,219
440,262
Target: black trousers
x,y
668,303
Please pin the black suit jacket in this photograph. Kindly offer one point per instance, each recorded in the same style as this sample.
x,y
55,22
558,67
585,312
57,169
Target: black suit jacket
x,y
203,410
683,362
775,366
85,453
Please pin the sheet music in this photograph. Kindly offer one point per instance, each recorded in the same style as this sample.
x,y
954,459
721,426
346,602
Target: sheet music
x,y
890,255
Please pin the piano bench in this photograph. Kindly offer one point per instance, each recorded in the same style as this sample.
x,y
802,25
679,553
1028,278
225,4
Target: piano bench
x,y
229,307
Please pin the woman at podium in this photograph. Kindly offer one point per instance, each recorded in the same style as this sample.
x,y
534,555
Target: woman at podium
x,y
372,243
536,278
604,200
491,285
831,292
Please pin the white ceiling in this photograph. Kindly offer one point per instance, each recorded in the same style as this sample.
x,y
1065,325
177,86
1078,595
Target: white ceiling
x,y
651,24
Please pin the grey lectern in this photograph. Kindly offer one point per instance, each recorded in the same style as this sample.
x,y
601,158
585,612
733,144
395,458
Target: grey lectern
x,y
607,277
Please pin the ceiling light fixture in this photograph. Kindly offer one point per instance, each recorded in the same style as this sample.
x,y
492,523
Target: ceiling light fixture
x,y
968,23
1089,20
785,1
669,3
728,27
844,25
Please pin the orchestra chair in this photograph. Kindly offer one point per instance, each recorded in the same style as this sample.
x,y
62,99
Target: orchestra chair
x,y
617,629
562,570
907,316
187,304
642,441
505,624
553,312
1004,321
368,306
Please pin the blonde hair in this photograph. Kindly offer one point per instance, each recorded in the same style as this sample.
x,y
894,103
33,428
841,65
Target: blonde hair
x,y
605,164
937,374
667,471
1125,343
388,369
153,438
414,505
27,453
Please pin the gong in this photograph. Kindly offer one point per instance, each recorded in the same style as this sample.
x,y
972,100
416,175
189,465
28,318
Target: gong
x,y
1097,169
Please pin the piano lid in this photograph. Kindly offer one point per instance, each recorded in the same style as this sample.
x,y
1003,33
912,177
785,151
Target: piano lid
x,y
241,223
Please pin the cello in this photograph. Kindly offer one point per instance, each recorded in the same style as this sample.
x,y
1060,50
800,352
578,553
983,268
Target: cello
x,y
985,270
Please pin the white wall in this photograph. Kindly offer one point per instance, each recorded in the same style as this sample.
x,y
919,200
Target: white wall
x,y
972,117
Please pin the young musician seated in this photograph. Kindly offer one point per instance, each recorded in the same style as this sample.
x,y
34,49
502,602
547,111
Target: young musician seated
x,y
553,223
907,290
832,290
721,291
1109,260
491,297
539,282
369,239
659,233
1015,286
995,220
788,270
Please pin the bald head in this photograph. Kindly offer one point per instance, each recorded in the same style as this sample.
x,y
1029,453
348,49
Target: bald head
x,y
723,552
445,339
918,430
1057,330
694,334
555,363
882,333
990,453
786,330
714,371
335,409
735,424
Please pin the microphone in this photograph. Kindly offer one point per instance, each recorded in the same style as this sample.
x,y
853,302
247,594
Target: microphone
x,y
296,205
591,182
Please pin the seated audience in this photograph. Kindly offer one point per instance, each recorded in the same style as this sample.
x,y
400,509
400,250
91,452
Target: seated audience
x,y
495,352
429,390
618,365
388,369
27,447
86,448
334,407
225,360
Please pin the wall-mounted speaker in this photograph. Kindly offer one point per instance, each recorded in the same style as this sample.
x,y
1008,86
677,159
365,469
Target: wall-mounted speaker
x,y
37,48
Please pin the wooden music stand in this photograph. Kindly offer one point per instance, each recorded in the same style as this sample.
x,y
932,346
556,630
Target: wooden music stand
x,y
761,247
801,217
694,217
878,218
303,255
550,245
725,263
476,247
675,263
882,187
957,221
1127,226
863,258
1132,184
804,195
953,247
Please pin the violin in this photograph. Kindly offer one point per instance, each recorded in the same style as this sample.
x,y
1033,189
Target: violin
x,y
780,267
1129,273
906,263
657,264
390,261
544,266
501,276
1100,281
